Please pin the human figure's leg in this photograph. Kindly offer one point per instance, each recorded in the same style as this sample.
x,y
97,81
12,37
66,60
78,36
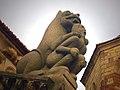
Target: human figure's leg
x,y
55,56
64,61
78,64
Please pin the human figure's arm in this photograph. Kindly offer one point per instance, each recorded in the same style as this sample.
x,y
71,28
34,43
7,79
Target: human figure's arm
x,y
61,39
69,46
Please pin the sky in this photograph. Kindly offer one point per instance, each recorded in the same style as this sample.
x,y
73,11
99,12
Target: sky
x,y
28,19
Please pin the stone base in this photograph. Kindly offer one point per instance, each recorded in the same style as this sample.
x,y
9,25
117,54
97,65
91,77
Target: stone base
x,y
63,81
53,80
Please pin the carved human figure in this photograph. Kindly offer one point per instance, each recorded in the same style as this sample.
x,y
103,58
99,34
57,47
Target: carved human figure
x,y
70,51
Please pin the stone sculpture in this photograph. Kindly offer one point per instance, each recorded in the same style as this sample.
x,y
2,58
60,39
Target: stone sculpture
x,y
62,48
70,51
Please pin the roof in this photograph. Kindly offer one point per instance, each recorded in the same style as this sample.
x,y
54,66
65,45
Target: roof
x,y
12,37
96,52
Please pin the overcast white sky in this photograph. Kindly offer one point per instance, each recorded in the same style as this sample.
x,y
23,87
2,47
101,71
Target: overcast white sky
x,y
28,19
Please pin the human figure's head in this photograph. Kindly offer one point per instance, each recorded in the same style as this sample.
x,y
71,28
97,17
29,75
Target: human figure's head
x,y
80,30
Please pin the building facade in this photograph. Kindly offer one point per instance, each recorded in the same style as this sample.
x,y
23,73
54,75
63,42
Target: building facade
x,y
103,70
11,49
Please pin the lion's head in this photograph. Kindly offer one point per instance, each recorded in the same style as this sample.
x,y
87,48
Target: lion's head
x,y
68,19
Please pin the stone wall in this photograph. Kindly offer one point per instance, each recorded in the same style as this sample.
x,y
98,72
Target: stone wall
x,y
94,81
9,53
5,63
111,69
103,70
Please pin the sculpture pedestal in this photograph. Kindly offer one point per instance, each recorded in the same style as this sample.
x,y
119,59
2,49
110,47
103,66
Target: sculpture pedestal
x,y
54,80
63,80
61,77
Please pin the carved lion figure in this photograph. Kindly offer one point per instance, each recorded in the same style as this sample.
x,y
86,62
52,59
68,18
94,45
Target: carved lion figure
x,y
57,40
